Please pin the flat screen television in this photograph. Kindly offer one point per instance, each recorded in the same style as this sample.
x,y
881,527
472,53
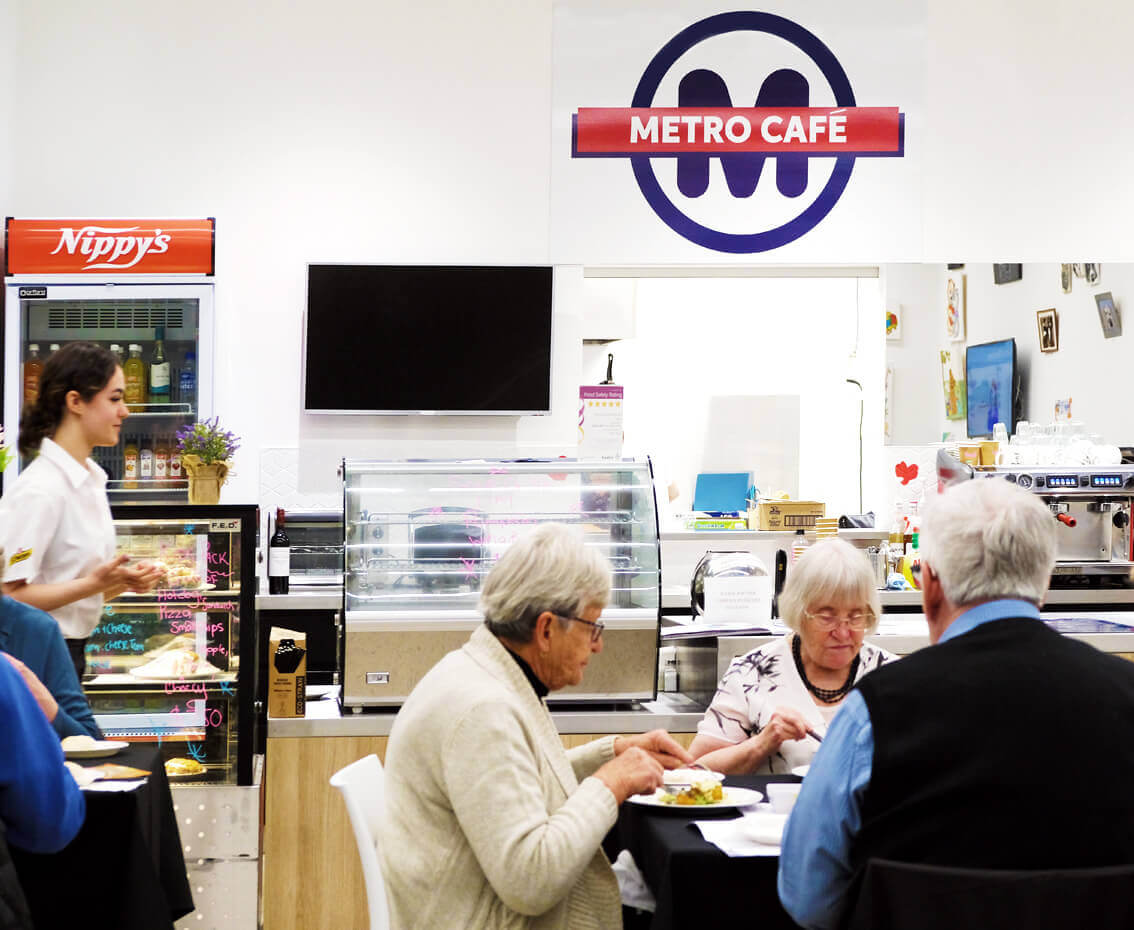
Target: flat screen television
x,y
992,382
405,339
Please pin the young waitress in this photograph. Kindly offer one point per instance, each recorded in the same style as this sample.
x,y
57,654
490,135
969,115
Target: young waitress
x,y
55,525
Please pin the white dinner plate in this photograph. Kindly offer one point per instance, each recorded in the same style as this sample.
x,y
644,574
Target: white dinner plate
x,y
733,798
801,770
101,749
766,828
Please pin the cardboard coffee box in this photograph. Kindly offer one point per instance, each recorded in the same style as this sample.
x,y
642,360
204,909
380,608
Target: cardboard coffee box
x,y
786,515
287,673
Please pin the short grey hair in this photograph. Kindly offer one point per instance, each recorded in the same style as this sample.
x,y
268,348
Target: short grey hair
x,y
831,570
550,568
987,539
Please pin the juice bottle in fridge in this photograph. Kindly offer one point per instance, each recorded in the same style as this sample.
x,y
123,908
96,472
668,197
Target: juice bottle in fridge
x,y
135,373
130,463
161,458
33,368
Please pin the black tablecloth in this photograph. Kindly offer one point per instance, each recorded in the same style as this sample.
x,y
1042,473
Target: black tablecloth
x,y
124,870
697,885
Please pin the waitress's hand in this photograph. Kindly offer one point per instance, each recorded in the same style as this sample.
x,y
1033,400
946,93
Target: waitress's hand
x,y
43,698
141,578
787,723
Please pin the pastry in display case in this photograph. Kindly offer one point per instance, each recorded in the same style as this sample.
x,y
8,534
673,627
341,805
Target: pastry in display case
x,y
164,666
419,538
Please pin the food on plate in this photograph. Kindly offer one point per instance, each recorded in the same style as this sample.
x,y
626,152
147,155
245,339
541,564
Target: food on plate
x,y
168,642
703,791
177,575
82,776
183,766
179,663
79,743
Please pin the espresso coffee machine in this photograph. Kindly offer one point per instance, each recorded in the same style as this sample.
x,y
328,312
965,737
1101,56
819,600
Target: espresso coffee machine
x,y
1092,506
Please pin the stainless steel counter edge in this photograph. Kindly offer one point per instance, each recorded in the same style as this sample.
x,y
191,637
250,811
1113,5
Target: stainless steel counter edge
x,y
324,720
328,598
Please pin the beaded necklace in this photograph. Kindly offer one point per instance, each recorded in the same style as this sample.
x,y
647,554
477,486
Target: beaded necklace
x,y
826,695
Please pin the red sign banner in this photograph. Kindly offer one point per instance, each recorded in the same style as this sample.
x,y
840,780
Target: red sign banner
x,y
110,246
611,131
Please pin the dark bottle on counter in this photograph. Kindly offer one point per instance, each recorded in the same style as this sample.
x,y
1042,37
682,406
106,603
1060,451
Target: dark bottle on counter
x,y
279,557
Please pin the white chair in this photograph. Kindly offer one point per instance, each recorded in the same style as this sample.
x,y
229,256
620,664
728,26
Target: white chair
x,y
363,791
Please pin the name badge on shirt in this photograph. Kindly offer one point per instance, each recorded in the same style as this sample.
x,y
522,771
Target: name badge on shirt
x,y
20,555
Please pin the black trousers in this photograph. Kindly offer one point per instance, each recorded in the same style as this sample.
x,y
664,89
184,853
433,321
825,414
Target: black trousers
x,y
78,650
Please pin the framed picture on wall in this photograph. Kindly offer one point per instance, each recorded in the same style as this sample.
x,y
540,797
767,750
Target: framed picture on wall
x,y
953,383
894,325
1047,322
1005,273
1109,317
955,307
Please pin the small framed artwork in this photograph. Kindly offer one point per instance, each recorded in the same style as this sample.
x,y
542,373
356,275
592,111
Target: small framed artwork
x,y
1047,322
953,383
1092,271
1004,273
894,325
955,307
1109,316
1065,277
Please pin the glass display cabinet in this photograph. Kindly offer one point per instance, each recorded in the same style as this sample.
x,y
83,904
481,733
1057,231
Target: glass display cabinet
x,y
165,666
419,538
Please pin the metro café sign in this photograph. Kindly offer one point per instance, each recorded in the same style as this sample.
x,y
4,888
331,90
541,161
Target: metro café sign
x,y
705,124
110,246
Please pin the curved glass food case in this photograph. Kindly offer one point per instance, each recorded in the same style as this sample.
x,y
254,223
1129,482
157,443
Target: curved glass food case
x,y
419,537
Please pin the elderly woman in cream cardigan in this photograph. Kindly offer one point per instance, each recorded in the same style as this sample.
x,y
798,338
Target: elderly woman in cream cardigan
x,y
489,821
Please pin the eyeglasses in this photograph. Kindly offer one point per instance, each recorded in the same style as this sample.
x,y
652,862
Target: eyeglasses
x,y
829,619
596,626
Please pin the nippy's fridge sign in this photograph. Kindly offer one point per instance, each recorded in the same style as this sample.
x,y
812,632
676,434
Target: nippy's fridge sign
x,y
703,165
109,246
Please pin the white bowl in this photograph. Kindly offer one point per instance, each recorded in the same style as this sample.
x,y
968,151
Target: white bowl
x,y
783,795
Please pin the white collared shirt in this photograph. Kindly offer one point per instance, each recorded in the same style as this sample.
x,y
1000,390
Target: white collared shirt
x,y
55,525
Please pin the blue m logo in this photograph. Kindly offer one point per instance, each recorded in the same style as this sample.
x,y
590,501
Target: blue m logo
x,y
704,88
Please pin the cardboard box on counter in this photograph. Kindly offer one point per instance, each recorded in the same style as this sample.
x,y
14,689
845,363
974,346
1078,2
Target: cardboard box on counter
x,y
287,673
785,515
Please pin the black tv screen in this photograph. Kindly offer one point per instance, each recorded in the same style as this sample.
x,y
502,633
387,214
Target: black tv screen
x,y
992,384
427,339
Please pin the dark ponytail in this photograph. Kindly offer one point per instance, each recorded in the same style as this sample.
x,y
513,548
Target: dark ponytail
x,y
78,366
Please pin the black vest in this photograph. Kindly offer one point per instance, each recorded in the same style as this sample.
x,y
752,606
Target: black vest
x,y
1009,747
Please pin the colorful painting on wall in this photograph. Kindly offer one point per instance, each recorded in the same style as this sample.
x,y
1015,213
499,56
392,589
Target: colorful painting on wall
x,y
953,382
894,325
955,307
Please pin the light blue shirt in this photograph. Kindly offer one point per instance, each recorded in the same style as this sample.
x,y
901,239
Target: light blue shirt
x,y
815,863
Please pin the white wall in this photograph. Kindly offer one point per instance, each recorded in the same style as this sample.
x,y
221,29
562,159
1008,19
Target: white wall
x,y
1087,367
352,131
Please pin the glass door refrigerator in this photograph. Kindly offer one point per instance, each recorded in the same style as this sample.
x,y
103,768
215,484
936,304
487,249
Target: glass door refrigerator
x,y
144,290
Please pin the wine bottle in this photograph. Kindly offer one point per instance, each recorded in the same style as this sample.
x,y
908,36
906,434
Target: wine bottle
x,y
279,557
159,370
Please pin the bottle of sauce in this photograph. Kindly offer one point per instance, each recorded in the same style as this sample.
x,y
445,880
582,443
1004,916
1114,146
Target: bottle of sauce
x,y
159,370
33,368
135,373
174,460
279,557
161,459
187,380
130,463
146,462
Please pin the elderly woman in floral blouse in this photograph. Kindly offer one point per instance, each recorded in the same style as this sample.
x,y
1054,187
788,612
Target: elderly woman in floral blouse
x,y
771,699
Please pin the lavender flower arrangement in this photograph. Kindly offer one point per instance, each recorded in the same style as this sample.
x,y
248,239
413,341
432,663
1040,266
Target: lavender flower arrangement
x,y
207,441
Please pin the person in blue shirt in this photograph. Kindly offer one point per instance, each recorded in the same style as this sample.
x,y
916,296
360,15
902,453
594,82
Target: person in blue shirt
x,y
973,752
33,638
40,804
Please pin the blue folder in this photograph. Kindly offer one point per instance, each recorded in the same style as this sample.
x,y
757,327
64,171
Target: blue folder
x,y
723,491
